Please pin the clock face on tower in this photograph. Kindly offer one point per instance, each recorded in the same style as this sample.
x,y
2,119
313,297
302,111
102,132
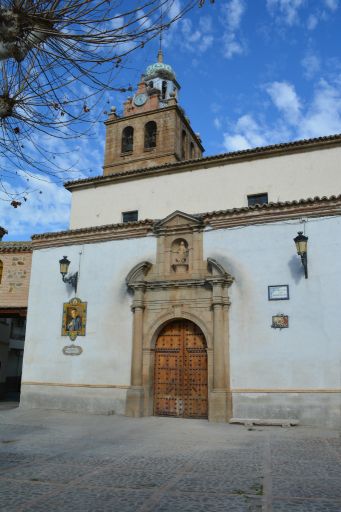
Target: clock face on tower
x,y
140,99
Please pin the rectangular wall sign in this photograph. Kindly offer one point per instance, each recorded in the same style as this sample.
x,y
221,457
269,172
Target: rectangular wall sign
x,y
278,292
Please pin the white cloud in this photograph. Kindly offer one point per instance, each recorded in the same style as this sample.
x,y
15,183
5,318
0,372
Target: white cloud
x,y
286,11
234,12
312,22
323,116
331,4
232,47
285,99
217,123
320,117
143,20
247,132
311,65
193,38
173,9
197,40
233,44
236,142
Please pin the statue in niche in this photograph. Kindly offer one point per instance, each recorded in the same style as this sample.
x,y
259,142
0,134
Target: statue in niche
x,y
180,255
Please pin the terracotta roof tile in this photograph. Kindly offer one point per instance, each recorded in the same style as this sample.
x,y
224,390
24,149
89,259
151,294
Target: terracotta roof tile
x,y
204,216
16,246
105,227
231,156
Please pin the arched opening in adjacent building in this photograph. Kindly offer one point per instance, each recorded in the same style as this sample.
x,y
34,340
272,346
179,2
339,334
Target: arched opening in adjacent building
x,y
127,139
183,145
180,371
191,151
150,131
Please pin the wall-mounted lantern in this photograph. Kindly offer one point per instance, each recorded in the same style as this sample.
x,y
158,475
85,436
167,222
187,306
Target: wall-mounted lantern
x,y
301,242
64,267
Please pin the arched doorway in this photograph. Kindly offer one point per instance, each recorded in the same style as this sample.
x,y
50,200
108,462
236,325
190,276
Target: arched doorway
x,y
180,372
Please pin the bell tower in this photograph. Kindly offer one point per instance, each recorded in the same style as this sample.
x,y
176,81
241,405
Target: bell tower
x,y
153,129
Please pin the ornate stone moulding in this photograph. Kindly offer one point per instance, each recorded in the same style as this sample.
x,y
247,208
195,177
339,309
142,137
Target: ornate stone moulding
x,y
272,212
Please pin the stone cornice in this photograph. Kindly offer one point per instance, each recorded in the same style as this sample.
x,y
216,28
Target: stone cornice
x,y
259,214
15,247
182,283
210,161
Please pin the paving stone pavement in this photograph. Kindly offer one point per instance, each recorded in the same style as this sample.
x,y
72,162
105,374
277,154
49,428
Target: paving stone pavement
x,y
55,461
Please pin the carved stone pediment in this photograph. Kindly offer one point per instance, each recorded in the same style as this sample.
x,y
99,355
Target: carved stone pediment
x,y
178,222
138,273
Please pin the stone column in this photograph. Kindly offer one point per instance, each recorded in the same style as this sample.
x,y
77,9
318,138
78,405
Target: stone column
x,y
219,397
135,395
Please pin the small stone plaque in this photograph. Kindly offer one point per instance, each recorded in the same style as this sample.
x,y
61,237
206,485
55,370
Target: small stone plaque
x,y
72,350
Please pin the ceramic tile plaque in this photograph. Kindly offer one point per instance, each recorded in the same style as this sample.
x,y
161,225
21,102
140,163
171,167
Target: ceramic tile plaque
x,y
74,318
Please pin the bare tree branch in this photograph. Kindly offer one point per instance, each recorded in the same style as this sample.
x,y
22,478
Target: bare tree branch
x,y
57,57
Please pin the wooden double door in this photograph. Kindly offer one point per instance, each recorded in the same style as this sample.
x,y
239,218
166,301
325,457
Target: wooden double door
x,y
180,376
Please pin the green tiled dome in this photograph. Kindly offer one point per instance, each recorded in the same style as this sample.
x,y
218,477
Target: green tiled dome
x,y
160,69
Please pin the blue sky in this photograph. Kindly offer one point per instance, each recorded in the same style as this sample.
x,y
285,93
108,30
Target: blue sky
x,y
252,73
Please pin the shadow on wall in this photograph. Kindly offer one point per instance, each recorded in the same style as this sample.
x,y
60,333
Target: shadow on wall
x,y
296,268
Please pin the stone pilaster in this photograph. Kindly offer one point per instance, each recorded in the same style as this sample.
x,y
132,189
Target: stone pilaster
x,y
220,396
135,395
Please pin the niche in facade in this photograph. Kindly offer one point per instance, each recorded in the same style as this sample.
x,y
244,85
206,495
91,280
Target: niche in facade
x,y
180,255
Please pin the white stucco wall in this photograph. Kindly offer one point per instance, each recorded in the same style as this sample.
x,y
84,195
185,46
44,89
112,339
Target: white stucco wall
x,y
305,358
284,178
107,345
307,355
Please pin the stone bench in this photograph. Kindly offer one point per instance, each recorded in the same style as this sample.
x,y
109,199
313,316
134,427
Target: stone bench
x,y
249,422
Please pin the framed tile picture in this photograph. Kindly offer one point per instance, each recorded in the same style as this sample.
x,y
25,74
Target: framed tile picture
x,y
74,318
280,321
278,292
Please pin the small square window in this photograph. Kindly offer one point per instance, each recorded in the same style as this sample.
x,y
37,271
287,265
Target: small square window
x,y
257,199
130,216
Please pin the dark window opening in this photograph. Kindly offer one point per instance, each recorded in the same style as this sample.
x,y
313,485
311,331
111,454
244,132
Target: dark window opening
x,y
151,85
18,327
150,135
1,270
127,139
164,89
191,150
257,199
130,216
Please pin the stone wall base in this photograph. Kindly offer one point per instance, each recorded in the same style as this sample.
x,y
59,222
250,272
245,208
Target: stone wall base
x,y
74,399
311,409
135,402
219,410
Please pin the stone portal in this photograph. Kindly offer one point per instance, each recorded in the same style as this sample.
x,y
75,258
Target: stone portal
x,y
197,293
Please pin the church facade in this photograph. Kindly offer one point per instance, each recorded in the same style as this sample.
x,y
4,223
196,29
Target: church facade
x,y
183,293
